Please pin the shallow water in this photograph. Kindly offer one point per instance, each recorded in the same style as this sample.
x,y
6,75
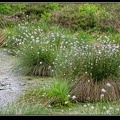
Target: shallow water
x,y
11,85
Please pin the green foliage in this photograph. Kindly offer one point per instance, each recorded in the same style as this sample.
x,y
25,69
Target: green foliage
x,y
10,8
91,15
41,10
88,9
87,16
45,15
48,44
35,59
115,38
52,6
46,50
5,8
100,61
84,36
18,7
58,93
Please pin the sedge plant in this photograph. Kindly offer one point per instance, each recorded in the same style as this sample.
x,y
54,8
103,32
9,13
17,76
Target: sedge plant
x,y
99,65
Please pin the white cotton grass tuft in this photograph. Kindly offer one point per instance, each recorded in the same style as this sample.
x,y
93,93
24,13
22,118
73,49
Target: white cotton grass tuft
x,y
108,84
101,96
73,97
103,90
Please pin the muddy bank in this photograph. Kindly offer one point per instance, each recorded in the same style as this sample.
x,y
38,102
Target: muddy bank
x,y
11,85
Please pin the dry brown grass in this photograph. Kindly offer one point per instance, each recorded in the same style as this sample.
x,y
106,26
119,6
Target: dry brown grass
x,y
37,70
86,89
2,37
2,32
41,71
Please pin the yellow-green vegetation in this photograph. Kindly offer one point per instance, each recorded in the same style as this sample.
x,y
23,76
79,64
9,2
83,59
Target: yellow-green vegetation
x,y
74,50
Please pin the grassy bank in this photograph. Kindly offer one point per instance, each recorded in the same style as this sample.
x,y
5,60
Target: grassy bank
x,y
71,54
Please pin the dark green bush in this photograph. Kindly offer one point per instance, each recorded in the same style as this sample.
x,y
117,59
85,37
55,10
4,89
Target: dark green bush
x,y
5,8
10,8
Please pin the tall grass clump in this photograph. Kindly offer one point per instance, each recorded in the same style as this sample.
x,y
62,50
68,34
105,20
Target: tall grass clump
x,y
99,66
69,59
21,33
42,51
57,94
53,94
25,32
37,47
35,59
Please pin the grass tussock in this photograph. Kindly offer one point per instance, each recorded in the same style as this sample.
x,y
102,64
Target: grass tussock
x,y
86,89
